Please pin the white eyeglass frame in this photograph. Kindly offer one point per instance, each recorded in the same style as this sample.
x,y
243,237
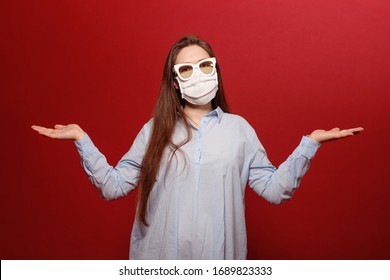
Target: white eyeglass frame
x,y
195,66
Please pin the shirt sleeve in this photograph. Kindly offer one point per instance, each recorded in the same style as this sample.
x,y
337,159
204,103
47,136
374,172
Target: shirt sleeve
x,y
118,181
278,185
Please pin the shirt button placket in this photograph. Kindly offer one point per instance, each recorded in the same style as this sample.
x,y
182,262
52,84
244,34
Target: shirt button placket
x,y
198,148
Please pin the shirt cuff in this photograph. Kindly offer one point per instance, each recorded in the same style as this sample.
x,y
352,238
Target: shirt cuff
x,y
308,147
84,145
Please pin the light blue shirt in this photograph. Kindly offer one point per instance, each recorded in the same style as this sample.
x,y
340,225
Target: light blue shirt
x,y
196,208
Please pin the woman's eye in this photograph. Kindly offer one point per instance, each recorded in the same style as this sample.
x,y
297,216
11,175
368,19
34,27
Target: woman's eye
x,y
185,69
206,64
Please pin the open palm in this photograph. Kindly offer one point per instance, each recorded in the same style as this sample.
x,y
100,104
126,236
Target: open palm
x,y
323,136
70,131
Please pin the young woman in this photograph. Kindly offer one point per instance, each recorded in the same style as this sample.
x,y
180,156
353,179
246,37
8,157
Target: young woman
x,y
191,163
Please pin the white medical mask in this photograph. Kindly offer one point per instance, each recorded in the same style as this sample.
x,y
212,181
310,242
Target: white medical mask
x,y
198,82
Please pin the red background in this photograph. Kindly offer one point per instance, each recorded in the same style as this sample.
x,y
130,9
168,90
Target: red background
x,y
289,67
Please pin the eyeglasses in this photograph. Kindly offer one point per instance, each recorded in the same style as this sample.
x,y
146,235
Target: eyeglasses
x,y
185,71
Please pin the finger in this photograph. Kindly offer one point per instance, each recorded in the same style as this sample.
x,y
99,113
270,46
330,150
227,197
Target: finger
x,y
357,130
59,126
354,131
50,132
46,131
35,127
38,128
348,132
335,129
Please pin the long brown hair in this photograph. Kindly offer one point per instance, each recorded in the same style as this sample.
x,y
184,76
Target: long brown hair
x,y
168,110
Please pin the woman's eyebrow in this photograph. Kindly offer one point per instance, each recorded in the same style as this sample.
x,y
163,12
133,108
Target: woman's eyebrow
x,y
193,63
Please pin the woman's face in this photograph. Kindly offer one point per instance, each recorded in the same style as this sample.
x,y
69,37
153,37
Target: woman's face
x,y
198,87
191,54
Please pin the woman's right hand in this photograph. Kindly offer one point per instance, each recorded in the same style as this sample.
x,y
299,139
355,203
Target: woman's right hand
x,y
70,131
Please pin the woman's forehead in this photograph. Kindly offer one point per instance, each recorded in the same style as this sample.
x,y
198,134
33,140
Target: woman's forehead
x,y
191,54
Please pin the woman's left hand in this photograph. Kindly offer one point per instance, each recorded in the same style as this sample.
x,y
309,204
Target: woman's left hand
x,y
334,134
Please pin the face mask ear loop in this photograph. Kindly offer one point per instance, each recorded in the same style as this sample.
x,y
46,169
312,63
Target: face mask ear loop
x,y
181,89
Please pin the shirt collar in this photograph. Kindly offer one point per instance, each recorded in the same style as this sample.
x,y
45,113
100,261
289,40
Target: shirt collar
x,y
216,113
